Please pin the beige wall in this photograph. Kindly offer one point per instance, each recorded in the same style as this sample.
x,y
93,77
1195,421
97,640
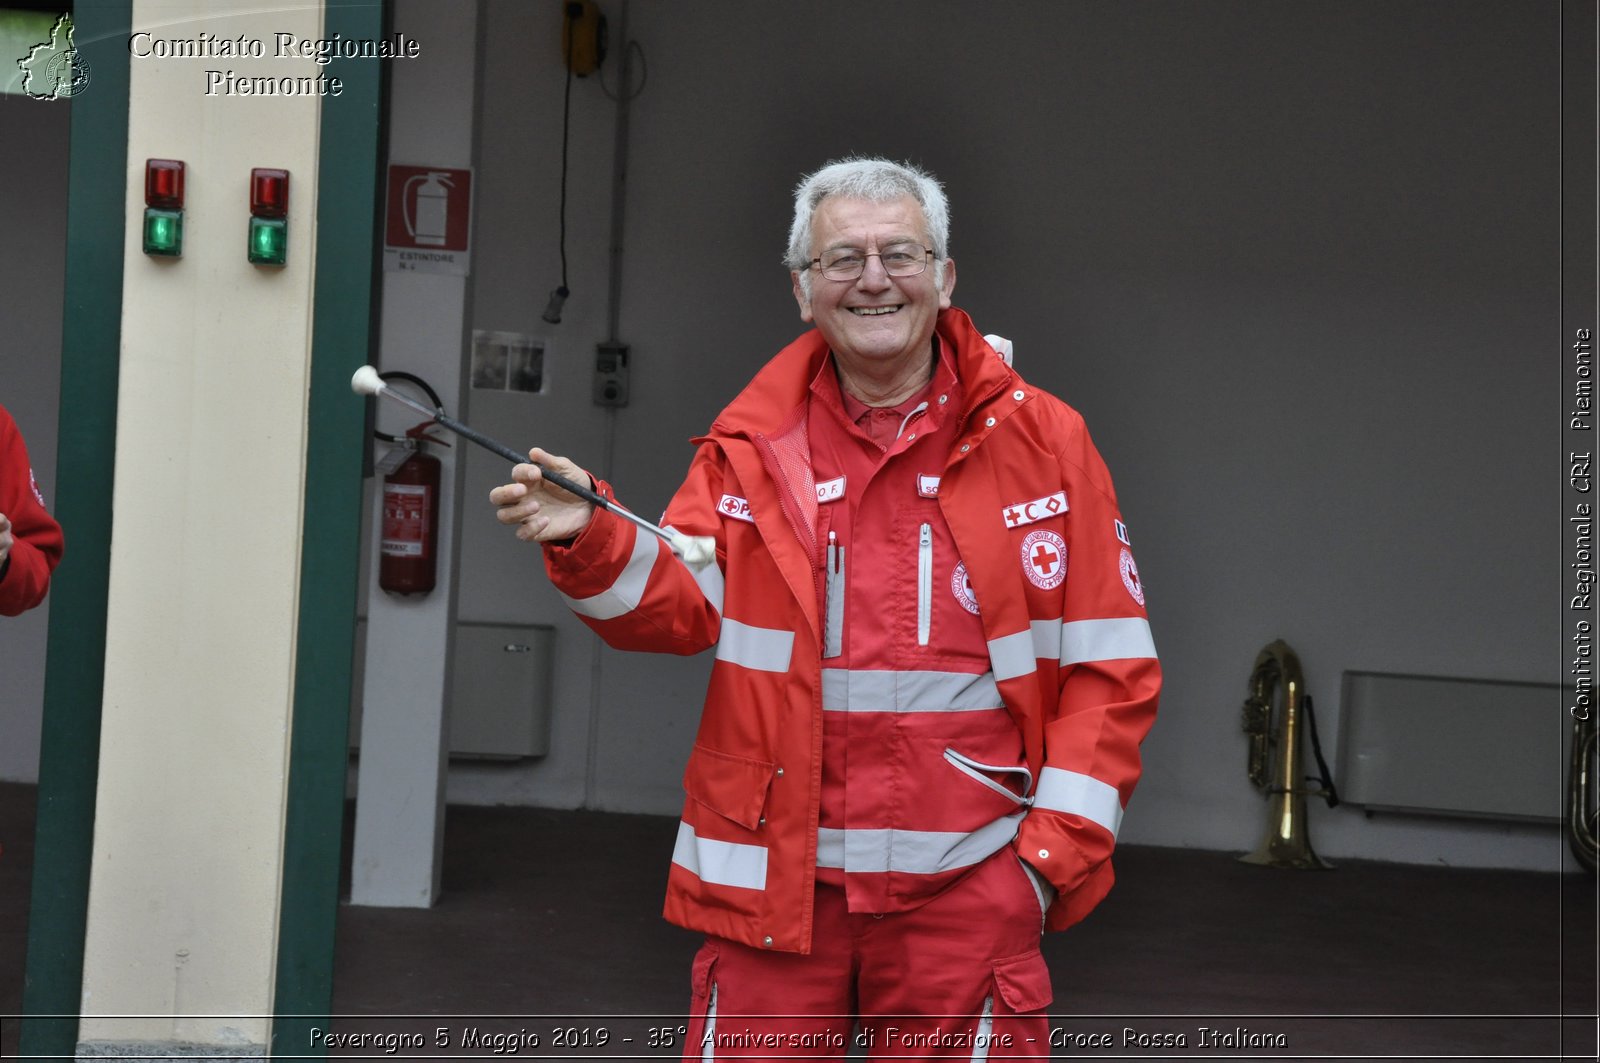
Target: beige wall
x,y
209,480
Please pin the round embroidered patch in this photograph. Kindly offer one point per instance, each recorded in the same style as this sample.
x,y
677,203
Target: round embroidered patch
x,y
1044,559
1130,577
961,587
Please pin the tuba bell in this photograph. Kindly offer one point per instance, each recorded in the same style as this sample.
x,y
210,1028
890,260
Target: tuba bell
x,y
1582,813
1276,715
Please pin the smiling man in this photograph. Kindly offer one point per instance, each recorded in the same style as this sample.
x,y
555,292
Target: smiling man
x,y
933,664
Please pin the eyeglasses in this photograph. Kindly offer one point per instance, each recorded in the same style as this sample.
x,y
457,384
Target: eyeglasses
x,y
848,263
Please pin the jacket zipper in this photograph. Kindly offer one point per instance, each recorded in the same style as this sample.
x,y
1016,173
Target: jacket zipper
x,y
924,583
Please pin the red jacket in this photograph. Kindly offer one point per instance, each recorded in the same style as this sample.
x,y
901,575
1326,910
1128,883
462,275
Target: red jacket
x,y
36,537
1073,658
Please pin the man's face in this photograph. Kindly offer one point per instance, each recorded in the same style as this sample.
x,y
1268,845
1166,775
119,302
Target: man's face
x,y
875,320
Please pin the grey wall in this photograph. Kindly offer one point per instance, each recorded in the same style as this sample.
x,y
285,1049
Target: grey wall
x,y
1294,263
33,217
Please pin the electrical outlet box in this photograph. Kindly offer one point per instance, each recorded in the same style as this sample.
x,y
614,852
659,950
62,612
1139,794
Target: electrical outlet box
x,y
611,374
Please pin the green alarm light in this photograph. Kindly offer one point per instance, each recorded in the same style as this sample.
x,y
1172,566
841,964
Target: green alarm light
x,y
163,232
269,241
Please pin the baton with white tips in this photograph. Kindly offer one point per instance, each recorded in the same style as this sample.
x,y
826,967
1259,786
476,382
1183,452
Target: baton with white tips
x,y
697,551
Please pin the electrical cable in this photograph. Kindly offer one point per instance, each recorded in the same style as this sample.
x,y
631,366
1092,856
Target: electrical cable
x,y
552,310
566,132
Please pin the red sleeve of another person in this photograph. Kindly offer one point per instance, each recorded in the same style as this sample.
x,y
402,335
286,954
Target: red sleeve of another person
x,y
36,537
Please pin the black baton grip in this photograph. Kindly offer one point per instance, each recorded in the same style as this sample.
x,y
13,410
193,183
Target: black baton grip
x,y
497,447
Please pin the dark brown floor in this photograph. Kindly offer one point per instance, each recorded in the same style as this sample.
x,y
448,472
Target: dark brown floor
x,y
550,921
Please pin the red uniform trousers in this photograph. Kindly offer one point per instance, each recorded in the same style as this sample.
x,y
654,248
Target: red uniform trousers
x,y
960,977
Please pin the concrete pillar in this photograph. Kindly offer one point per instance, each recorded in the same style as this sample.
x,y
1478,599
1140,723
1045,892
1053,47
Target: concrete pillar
x,y
404,730
205,558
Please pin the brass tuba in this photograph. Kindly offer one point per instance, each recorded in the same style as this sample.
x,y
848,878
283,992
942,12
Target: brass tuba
x,y
1582,814
1274,758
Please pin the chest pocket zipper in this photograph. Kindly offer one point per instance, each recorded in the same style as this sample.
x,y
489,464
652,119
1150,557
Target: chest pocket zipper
x,y
924,583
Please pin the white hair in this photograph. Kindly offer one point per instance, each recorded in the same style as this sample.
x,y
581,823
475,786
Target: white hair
x,y
876,180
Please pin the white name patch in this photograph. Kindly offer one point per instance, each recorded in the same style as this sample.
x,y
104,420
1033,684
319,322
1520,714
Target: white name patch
x,y
830,490
927,486
1039,509
735,507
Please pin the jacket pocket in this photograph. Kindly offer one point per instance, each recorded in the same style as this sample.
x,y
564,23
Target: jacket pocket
x,y
731,786
1023,982
976,771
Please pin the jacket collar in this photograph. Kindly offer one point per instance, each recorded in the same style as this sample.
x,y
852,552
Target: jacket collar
x,y
768,403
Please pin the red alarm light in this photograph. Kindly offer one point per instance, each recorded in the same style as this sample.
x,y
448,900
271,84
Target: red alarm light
x,y
163,183
269,193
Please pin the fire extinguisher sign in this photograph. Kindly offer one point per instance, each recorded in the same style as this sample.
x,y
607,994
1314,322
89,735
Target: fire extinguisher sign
x,y
428,220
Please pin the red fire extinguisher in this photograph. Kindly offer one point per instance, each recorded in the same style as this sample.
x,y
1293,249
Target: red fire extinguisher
x,y
410,547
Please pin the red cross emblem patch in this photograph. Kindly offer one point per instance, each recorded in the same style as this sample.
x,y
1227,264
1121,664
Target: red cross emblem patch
x,y
1044,559
1130,577
961,587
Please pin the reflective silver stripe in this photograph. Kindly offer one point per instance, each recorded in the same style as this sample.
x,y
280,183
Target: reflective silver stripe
x,y
1106,640
721,863
967,766
1014,655
883,691
1046,636
912,852
1077,794
708,578
1075,642
624,595
764,649
710,582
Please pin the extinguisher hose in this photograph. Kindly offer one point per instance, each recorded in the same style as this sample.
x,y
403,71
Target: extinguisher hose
x,y
410,378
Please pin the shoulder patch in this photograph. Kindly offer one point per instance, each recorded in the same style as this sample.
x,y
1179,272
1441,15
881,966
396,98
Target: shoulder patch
x,y
736,507
1022,513
1044,559
1130,577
